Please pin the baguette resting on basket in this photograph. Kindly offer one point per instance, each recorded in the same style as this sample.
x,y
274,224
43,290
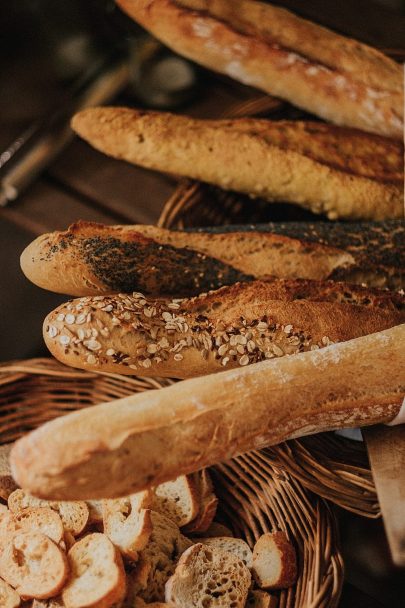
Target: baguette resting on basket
x,y
205,420
92,259
340,172
231,327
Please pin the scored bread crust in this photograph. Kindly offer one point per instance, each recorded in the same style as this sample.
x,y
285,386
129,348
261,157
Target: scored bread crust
x,y
230,327
313,165
272,49
206,420
91,259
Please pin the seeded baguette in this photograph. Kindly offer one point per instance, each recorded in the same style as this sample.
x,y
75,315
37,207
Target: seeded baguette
x,y
340,172
92,259
335,77
232,326
206,420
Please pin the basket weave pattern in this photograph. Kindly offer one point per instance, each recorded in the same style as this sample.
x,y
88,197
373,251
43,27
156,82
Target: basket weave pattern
x,y
256,494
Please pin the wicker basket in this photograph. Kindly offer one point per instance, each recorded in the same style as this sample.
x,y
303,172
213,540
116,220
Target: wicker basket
x,y
256,494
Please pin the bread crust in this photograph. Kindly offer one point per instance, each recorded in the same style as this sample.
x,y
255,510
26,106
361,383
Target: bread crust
x,y
206,420
272,49
229,327
92,259
309,164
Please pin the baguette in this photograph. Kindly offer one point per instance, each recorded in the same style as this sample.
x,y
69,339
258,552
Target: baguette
x,y
335,77
206,420
340,172
92,259
232,326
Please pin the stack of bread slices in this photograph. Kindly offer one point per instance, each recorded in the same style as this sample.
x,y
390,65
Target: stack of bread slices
x,y
159,547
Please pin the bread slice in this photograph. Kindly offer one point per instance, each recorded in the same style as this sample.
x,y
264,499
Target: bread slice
x,y
218,529
236,546
177,500
74,515
9,598
159,558
274,561
95,511
127,526
97,576
140,603
261,599
338,172
206,576
34,565
32,519
208,504
7,483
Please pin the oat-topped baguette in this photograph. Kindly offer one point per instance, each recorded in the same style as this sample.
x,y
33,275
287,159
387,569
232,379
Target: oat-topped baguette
x,y
340,172
272,49
92,259
198,422
236,325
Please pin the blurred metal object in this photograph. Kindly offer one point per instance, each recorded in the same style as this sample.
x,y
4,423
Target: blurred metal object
x,y
34,149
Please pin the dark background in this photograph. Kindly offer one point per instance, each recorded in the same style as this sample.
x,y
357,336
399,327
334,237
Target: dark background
x,y
45,46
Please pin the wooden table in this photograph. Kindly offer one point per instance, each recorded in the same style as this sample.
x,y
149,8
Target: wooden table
x,y
84,184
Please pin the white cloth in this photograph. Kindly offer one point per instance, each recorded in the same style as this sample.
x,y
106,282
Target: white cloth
x,y
400,417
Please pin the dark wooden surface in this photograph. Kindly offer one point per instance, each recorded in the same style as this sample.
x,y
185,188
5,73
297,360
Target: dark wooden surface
x,y
83,184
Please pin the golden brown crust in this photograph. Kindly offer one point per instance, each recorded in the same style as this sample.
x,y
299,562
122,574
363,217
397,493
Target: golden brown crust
x,y
206,420
230,327
272,49
289,162
92,259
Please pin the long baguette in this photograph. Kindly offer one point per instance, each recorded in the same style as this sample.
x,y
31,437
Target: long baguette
x,y
124,446
272,49
230,327
92,259
340,172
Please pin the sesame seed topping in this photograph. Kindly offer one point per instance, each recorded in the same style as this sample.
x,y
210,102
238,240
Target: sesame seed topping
x,y
244,360
64,340
91,359
110,352
92,344
178,357
70,319
60,317
80,319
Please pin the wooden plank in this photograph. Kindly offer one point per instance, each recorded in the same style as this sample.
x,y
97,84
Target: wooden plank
x,y
386,449
136,195
45,207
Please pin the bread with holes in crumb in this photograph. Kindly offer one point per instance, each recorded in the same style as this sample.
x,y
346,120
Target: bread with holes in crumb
x,y
274,561
206,576
236,546
74,514
33,565
127,524
97,575
177,499
32,519
260,599
9,598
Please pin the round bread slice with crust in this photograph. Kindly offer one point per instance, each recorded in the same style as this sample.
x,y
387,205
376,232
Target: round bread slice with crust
x,y
97,575
34,565
274,561
127,526
9,598
32,519
261,599
74,515
208,577
236,546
